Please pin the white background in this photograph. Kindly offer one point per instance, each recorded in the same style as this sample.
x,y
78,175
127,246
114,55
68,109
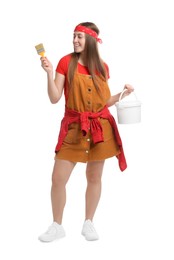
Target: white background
x,y
135,216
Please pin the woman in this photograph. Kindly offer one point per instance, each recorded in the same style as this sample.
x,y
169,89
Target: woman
x,y
88,131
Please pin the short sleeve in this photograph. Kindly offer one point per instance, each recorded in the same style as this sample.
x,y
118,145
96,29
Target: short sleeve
x,y
62,66
107,70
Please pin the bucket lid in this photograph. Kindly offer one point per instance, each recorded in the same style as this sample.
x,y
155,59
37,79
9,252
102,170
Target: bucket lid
x,y
130,103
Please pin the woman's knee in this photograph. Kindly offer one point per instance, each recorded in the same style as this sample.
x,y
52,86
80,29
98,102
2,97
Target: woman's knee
x,y
94,172
61,172
58,179
94,178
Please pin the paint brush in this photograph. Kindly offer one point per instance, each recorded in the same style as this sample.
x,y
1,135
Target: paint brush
x,y
40,49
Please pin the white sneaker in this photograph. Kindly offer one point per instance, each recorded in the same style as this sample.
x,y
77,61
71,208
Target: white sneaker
x,y
88,231
55,231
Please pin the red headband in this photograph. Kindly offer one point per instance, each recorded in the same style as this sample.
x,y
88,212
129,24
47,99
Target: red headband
x,y
89,31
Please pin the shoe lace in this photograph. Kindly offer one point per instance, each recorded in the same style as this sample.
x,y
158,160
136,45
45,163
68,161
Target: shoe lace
x,y
90,228
51,229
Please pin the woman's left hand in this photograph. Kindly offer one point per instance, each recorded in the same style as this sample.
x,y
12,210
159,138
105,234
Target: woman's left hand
x,y
128,89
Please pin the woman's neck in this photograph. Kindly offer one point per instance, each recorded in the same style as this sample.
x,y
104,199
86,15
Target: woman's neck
x,y
81,60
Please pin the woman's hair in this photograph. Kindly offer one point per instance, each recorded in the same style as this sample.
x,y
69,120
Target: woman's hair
x,y
91,57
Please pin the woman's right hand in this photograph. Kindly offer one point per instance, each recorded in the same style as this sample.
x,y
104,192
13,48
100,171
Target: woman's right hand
x,y
46,65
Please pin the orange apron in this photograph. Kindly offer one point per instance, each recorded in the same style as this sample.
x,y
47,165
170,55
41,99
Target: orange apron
x,y
77,147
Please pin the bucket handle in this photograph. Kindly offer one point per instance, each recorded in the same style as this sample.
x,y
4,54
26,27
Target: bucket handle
x,y
123,93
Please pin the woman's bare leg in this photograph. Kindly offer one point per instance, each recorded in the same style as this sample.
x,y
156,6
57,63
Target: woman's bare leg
x,y
93,174
61,173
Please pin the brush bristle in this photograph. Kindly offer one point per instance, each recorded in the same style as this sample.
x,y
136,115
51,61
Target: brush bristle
x,y
40,48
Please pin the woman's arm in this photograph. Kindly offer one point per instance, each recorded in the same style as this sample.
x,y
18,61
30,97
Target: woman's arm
x,y
113,99
55,86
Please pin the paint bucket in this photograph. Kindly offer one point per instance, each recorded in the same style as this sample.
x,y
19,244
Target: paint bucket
x,y
128,111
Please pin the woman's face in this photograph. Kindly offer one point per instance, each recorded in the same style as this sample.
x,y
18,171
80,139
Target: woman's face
x,y
79,41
